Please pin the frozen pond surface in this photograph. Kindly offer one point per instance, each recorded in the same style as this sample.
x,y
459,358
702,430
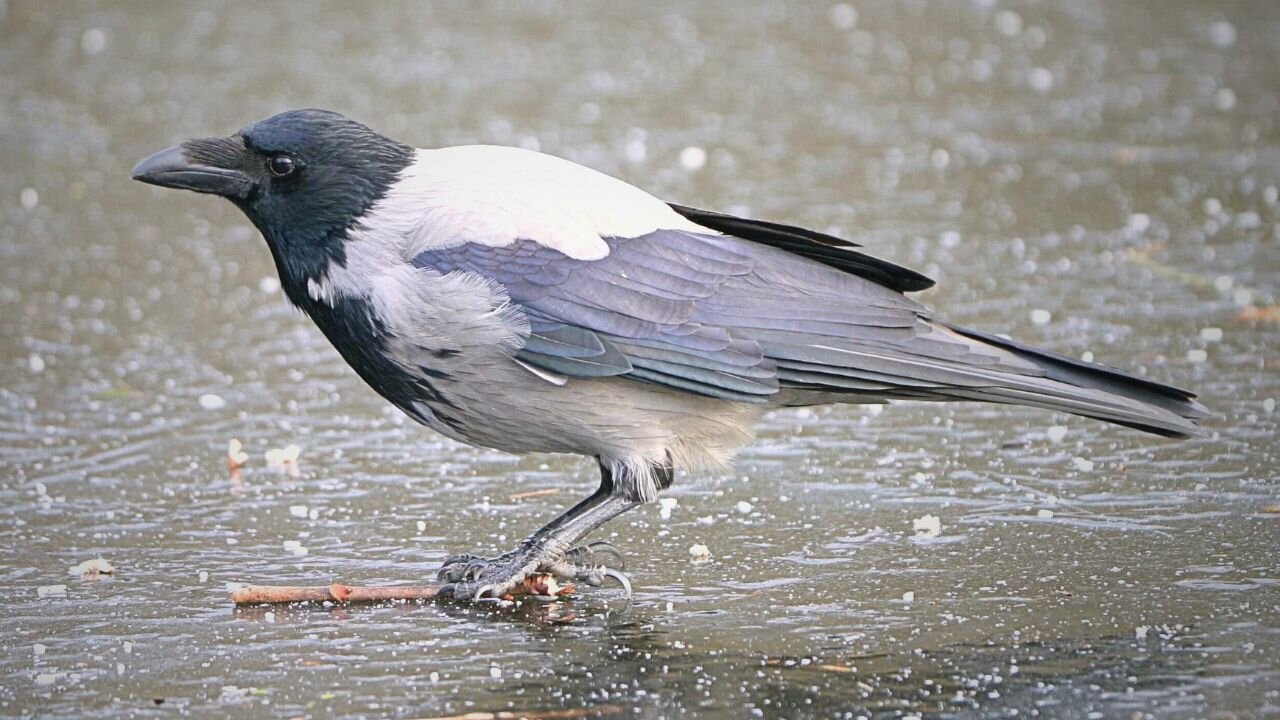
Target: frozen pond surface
x,y
1083,175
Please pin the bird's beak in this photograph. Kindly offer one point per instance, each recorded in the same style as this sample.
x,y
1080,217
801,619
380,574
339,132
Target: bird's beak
x,y
206,166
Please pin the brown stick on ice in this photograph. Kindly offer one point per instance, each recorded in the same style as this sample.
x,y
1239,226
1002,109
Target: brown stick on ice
x,y
338,593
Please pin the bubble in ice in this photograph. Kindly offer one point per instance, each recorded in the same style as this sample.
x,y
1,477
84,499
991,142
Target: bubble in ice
x,y
1222,33
1009,23
693,158
844,16
1040,79
93,41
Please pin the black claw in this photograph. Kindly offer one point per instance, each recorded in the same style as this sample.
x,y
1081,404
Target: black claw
x,y
472,578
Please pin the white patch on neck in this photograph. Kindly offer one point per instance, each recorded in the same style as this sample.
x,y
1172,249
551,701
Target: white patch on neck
x,y
492,195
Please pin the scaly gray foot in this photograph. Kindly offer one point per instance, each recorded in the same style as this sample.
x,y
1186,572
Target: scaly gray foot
x,y
471,577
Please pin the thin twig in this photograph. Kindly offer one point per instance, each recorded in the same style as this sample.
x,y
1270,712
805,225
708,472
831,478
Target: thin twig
x,y
569,714
534,493
540,585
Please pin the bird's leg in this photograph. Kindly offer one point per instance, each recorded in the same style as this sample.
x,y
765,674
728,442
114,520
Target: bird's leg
x,y
553,548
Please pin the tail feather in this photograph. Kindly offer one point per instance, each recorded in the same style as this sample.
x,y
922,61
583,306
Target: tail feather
x,y
1102,392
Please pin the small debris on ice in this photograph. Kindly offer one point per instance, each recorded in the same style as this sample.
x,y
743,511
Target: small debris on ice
x,y
909,596
209,401
1041,317
90,569
743,507
51,591
693,158
1082,464
298,511
1140,632
1043,513
1057,433
699,553
665,506
1222,33
295,547
281,457
1211,334
929,526
236,456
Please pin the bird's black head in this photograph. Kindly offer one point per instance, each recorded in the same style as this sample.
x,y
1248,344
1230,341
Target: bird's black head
x,y
303,177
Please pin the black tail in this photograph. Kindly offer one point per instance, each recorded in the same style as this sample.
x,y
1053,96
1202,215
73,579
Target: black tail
x,y
1155,408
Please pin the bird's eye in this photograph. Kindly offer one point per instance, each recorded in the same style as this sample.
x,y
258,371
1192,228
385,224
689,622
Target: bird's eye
x,y
282,165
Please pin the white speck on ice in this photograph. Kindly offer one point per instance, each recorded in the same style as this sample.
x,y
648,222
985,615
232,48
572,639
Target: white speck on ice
x,y
1009,23
298,511
269,285
636,151
1044,513
39,648
1223,283
29,197
203,576
665,506
1087,356
93,41
1140,632
422,526
51,591
1040,79
1269,405
294,547
1057,433
283,456
844,16
1197,356
1222,33
1041,317
693,158
209,401
743,507
1224,99
47,678
1139,223
96,566
927,526
1211,334
495,671
1082,464
270,617
35,363
699,553
909,596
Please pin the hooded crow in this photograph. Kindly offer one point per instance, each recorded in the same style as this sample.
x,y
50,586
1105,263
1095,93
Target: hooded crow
x,y
517,301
